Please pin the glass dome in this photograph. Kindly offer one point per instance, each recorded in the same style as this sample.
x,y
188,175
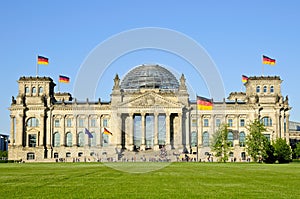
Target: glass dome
x,y
149,76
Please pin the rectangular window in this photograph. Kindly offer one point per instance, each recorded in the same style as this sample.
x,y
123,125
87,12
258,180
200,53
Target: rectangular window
x,y
69,122
56,123
205,122
242,122
80,122
105,122
32,140
218,122
267,136
194,122
93,122
230,122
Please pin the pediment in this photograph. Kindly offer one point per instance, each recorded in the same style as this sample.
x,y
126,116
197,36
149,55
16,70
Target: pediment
x,y
150,100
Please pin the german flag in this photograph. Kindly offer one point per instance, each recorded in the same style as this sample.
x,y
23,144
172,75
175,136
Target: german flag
x,y
244,78
268,60
42,60
204,103
64,79
107,132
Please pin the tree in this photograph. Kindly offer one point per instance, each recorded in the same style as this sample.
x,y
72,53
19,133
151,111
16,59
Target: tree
x,y
220,144
256,141
297,150
268,156
282,151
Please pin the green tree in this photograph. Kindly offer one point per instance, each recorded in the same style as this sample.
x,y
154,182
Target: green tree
x,y
297,150
256,141
220,144
268,156
282,151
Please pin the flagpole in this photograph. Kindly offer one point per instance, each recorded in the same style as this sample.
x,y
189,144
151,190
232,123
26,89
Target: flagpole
x,y
197,133
58,83
37,67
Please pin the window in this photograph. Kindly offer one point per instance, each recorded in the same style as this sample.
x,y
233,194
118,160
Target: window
x,y
55,155
30,156
69,139
93,139
194,139
218,122
230,122
26,90
105,140
56,139
33,90
68,154
205,139
194,122
265,89
93,122
205,122
33,122
242,139
230,138
266,121
69,122
272,89
243,155
80,139
32,140
105,122
80,122
56,122
242,122
231,154
80,154
268,137
41,90
258,89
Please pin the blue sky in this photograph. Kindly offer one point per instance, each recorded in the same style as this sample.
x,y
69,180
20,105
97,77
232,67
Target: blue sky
x,y
234,33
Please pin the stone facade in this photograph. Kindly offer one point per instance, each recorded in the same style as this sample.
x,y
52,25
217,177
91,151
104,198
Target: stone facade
x,y
143,119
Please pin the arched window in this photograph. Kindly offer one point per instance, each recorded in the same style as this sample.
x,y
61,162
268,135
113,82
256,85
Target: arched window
x,y
242,139
272,89
41,90
56,139
267,121
243,155
55,155
93,139
26,89
194,139
80,139
33,90
69,139
265,89
205,139
33,122
230,138
258,89
68,154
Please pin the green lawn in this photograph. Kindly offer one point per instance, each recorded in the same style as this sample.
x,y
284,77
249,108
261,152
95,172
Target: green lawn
x,y
177,180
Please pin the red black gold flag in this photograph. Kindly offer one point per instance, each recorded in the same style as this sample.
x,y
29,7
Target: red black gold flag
x,y
204,103
268,60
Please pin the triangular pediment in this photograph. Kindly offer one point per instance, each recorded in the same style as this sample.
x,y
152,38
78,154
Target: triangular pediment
x,y
151,99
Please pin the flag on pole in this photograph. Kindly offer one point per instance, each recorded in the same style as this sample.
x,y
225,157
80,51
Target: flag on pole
x,y
88,133
268,60
204,103
64,79
42,60
244,78
107,132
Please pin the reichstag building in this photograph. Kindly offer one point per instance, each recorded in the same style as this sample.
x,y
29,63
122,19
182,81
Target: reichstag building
x,y
149,112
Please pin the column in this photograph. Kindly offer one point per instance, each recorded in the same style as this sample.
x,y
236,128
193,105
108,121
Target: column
x,y
168,131
40,137
277,127
287,133
99,140
130,132
12,130
156,146
74,132
143,131
63,133
119,130
178,137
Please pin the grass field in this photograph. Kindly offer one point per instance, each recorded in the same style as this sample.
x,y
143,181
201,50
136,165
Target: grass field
x,y
177,180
